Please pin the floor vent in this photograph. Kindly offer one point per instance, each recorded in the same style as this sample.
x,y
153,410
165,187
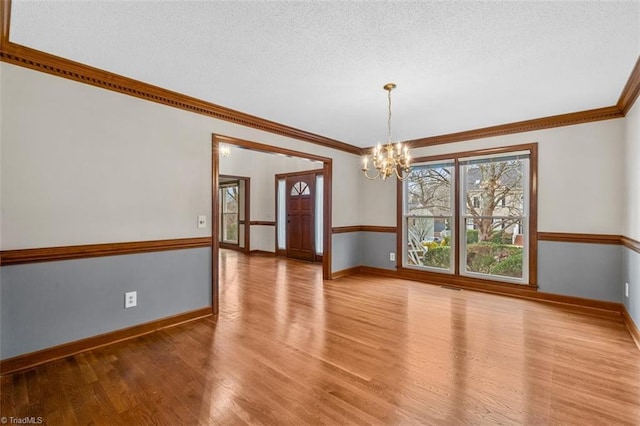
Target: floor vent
x,y
450,288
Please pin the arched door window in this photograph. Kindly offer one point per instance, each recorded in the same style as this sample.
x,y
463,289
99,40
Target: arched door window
x,y
300,188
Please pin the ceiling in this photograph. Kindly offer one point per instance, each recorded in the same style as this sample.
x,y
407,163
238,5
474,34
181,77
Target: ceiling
x,y
320,66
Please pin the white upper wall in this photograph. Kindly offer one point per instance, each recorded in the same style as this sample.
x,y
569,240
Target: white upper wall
x,y
84,165
632,173
377,201
261,167
580,177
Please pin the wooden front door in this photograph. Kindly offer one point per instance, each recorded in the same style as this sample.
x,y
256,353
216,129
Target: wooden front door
x,y
300,217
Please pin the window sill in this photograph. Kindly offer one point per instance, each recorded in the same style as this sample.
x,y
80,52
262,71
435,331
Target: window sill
x,y
465,281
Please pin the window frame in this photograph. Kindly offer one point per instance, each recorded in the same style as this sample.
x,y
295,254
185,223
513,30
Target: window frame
x,y
459,277
406,217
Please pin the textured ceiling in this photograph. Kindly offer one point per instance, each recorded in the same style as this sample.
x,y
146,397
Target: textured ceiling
x,y
320,66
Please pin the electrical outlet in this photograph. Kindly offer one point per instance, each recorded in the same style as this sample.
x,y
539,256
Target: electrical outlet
x,y
202,221
130,299
626,289
392,257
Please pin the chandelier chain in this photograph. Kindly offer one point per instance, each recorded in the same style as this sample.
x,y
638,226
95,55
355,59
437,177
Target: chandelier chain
x,y
389,117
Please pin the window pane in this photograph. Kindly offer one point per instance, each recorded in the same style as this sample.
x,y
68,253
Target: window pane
x,y
230,228
429,242
229,213
500,255
494,189
231,199
300,188
429,190
493,202
428,215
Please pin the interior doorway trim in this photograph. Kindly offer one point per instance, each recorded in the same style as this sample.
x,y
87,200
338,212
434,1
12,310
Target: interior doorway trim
x,y
216,140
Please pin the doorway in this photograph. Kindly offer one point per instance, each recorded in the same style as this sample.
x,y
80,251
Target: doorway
x,y
299,225
325,223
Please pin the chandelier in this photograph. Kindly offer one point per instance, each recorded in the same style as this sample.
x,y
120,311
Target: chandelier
x,y
388,160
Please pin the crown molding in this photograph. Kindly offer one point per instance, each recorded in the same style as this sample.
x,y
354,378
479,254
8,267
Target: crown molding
x,y
45,62
631,90
580,117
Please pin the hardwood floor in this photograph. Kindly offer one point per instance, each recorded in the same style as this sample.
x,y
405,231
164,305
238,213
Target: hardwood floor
x,y
288,348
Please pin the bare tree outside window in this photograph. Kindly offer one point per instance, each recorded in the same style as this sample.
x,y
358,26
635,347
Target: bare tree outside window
x,y
494,189
430,215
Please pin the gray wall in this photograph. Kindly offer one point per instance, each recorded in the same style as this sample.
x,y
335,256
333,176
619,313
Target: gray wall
x,y
593,271
353,249
47,304
631,275
375,249
345,251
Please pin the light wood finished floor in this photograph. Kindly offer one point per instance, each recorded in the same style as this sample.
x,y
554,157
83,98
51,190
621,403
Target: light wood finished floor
x,y
290,349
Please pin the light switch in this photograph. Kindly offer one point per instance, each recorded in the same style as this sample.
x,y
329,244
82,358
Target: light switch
x,y
202,221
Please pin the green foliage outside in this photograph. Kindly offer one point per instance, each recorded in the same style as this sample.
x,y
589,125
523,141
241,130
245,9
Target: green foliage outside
x,y
495,259
501,237
438,257
497,237
509,267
